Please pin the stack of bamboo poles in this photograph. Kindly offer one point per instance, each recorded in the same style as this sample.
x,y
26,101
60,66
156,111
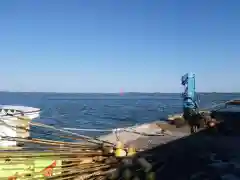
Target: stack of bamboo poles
x,y
83,158
59,163
38,159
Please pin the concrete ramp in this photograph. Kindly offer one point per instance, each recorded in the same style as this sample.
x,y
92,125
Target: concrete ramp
x,y
147,135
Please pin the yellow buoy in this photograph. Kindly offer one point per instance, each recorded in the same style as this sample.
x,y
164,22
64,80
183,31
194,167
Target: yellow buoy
x,y
120,152
131,151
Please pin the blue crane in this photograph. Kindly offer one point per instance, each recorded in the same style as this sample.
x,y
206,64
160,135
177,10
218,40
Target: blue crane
x,y
190,102
189,96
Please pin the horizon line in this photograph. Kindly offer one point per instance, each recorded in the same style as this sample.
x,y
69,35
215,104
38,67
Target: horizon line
x,y
115,92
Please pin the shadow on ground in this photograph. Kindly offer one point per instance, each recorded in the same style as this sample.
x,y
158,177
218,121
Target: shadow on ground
x,y
209,154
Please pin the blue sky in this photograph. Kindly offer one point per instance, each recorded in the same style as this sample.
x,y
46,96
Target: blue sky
x,y
108,45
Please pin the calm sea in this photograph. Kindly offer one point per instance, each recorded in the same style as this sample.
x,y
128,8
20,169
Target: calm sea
x,y
103,111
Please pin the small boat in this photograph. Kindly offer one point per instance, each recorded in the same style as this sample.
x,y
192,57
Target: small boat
x,y
13,117
26,111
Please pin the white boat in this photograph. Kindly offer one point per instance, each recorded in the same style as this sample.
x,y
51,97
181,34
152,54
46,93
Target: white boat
x,y
26,111
14,122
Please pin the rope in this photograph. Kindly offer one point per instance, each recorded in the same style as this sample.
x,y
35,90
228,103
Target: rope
x,y
91,130
114,131
117,131
87,138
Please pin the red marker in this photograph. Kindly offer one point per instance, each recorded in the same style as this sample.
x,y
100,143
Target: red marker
x,y
121,92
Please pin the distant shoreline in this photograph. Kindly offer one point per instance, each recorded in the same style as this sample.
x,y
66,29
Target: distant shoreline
x,y
115,93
